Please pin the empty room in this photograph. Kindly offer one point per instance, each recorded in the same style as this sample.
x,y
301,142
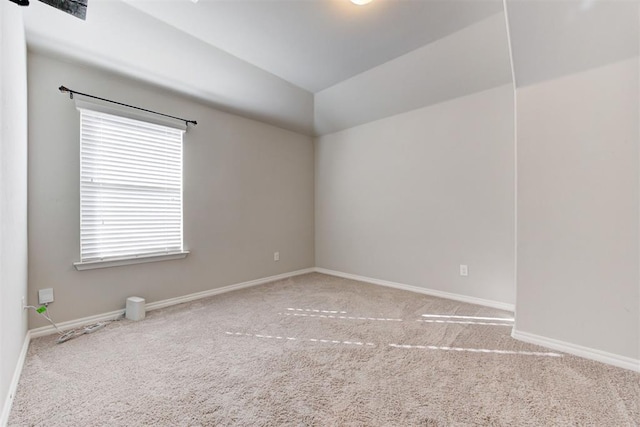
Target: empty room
x,y
319,213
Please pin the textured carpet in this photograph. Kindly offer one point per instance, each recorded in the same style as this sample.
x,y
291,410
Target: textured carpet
x,y
317,350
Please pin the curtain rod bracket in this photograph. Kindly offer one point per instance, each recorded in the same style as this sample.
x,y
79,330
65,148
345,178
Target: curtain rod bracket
x,y
64,89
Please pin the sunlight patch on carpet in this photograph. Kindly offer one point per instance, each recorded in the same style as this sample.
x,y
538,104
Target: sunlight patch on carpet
x,y
476,350
313,310
446,316
329,316
326,341
464,322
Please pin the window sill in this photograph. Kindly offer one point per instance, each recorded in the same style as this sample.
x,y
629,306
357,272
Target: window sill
x,y
116,262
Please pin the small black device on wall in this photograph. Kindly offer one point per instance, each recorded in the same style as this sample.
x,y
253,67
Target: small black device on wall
x,y
77,8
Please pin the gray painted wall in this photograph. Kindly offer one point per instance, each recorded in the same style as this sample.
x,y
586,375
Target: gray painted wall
x,y
578,198
470,60
13,192
411,197
248,191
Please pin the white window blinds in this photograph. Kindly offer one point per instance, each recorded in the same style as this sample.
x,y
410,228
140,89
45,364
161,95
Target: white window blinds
x,y
130,188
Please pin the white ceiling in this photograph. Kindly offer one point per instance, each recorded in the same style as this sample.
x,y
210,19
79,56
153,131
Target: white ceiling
x,y
469,61
316,66
550,39
315,44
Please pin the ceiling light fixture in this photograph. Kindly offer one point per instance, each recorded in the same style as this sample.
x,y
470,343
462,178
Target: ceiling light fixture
x,y
360,2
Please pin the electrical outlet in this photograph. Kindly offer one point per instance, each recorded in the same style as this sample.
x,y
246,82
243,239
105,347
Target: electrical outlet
x,y
22,303
464,270
45,296
276,256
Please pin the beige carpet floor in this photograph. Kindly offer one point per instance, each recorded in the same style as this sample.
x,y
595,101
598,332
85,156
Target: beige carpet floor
x,y
322,351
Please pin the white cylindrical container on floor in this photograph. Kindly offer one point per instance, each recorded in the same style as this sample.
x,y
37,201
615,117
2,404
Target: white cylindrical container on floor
x,y
135,308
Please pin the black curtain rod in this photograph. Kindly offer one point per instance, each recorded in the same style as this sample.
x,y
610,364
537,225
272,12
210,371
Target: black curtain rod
x,y
71,92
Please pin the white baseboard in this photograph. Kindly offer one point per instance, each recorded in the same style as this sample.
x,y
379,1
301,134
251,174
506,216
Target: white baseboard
x,y
578,350
431,292
192,297
6,408
72,324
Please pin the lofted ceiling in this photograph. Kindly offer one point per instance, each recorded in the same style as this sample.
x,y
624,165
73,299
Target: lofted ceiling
x,y
321,66
264,59
315,44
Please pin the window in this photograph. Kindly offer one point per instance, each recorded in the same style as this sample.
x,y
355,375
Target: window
x,y
130,190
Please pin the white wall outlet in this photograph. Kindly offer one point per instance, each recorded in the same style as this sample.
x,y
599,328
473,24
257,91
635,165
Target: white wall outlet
x,y
276,256
45,296
464,270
